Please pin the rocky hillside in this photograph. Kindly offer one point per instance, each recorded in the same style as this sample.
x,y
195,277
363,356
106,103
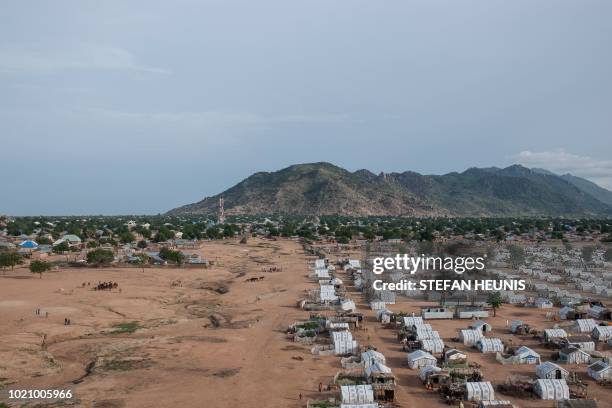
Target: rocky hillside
x,y
325,189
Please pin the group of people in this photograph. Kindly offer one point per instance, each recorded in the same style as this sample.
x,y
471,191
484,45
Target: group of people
x,y
102,285
322,388
106,286
39,312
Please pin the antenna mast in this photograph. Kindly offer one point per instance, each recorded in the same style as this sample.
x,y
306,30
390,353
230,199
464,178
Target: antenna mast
x,y
221,211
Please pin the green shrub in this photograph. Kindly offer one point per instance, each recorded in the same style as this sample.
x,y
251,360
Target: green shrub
x,y
126,327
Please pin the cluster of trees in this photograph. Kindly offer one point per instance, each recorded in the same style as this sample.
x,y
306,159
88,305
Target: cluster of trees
x,y
427,229
170,255
10,260
162,228
100,257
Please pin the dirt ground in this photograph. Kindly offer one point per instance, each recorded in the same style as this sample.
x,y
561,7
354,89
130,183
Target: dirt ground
x,y
191,345
194,337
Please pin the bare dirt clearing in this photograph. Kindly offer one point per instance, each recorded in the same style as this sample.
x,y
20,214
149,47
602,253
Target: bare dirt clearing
x,y
169,337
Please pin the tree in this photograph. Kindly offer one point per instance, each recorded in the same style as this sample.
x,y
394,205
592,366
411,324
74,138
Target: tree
x,y
10,259
495,301
38,266
126,237
92,244
141,259
61,247
164,234
273,231
145,232
44,240
517,255
342,239
212,233
608,255
587,253
142,244
100,257
170,255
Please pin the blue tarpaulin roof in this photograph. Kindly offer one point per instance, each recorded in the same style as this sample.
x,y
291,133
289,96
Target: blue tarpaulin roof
x,y
28,244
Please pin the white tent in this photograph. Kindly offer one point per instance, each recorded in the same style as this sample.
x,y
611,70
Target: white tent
x,y
551,389
495,404
601,370
602,333
470,337
543,303
348,305
427,371
563,312
434,346
343,343
583,342
409,321
596,311
527,356
354,263
479,391
481,325
421,326
420,358
357,394
387,296
550,334
377,305
370,357
584,325
319,263
574,355
377,368
551,371
322,273
423,333
367,405
454,356
486,345
515,324
336,325
328,293
384,315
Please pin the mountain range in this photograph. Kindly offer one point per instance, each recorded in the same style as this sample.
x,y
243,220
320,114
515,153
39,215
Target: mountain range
x,y
326,189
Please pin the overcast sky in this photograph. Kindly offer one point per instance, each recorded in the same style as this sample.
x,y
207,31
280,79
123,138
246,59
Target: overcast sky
x,y
137,107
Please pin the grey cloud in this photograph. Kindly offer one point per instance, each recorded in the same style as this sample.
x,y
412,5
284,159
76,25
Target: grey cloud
x,y
38,58
559,161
